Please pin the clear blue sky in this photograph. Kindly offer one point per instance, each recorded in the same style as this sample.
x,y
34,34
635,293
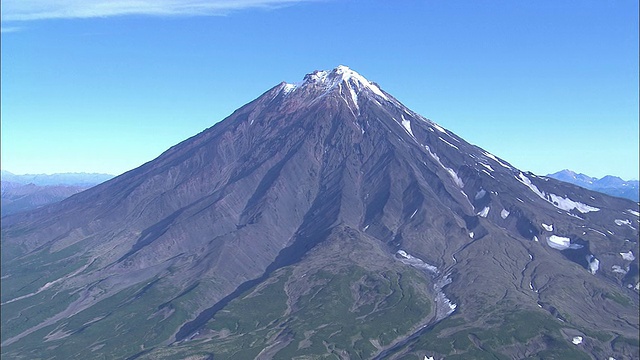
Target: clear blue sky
x,y
545,85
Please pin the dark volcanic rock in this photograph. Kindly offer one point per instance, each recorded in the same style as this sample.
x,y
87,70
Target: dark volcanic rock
x,y
315,207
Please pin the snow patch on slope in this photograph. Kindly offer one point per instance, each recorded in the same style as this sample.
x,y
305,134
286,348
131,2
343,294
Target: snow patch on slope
x,y
288,88
525,180
409,259
407,125
628,256
618,269
452,173
621,222
494,158
438,127
594,264
444,306
561,243
484,213
563,203
354,97
568,204
488,173
455,177
487,166
448,143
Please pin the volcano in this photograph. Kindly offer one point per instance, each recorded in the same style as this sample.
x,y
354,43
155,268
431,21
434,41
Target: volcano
x,y
324,219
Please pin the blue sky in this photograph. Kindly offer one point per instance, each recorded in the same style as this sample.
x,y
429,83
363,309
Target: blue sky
x,y
108,86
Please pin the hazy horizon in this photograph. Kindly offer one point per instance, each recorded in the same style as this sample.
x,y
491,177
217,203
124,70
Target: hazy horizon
x,y
114,175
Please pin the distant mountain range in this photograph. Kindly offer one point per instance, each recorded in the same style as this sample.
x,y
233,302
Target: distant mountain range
x,y
610,185
66,179
31,191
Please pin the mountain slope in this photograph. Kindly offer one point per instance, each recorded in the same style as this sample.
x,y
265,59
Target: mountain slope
x,y
322,218
611,185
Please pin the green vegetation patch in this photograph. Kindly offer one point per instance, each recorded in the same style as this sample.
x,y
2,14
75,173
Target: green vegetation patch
x,y
537,332
116,327
617,297
22,280
323,315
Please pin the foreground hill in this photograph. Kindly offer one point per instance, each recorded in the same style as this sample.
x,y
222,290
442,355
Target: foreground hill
x,y
323,220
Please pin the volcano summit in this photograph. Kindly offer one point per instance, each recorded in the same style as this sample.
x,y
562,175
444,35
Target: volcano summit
x,y
324,219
